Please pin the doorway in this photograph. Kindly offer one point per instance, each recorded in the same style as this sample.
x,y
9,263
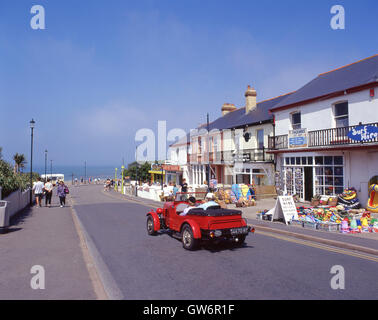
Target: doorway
x,y
308,183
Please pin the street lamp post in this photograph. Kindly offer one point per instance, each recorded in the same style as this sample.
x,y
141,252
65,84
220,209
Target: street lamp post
x,y
32,124
51,170
208,152
122,168
136,171
136,179
46,165
85,172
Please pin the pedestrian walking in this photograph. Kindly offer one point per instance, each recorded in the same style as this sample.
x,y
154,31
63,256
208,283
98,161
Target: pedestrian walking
x,y
38,191
48,192
62,193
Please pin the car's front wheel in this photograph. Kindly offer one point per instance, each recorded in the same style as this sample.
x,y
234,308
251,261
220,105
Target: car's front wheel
x,y
151,226
188,240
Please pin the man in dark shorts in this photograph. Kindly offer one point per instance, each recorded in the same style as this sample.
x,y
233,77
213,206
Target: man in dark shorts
x,y
184,189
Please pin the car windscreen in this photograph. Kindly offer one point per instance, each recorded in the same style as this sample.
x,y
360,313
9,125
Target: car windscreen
x,y
184,196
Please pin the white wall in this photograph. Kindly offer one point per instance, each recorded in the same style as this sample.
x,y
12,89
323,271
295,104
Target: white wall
x,y
319,115
363,166
17,201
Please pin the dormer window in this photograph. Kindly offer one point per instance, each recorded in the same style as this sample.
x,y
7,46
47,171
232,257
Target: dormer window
x,y
296,120
341,115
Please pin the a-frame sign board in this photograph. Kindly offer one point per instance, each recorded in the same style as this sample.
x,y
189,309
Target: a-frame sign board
x,y
285,208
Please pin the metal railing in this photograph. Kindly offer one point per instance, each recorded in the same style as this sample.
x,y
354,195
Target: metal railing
x,y
221,157
325,138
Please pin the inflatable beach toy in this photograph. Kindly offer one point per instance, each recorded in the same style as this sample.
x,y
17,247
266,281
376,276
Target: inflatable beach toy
x,y
375,226
365,225
372,205
349,194
353,226
345,226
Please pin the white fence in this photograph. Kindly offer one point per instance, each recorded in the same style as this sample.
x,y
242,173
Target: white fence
x,y
17,201
151,193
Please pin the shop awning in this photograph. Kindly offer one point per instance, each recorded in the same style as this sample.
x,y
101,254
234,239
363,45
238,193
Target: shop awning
x,y
156,172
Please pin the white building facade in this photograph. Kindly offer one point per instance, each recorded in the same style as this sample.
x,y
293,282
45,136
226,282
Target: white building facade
x,y
328,141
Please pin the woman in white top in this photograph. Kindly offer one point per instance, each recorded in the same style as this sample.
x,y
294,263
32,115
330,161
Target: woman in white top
x,y
49,190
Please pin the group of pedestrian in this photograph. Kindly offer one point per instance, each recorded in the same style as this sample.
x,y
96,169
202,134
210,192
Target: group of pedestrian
x,y
41,190
170,190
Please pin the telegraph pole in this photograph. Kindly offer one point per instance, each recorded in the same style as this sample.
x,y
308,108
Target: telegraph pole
x,y
45,165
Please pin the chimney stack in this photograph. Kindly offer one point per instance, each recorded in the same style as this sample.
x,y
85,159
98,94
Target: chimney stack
x,y
250,97
227,108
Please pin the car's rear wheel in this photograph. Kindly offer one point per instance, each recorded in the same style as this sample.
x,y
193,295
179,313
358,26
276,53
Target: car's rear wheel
x,y
188,241
151,226
241,240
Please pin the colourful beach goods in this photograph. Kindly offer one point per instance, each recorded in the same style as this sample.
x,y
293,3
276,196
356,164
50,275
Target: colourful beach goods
x,y
349,199
345,226
335,220
240,195
375,226
373,199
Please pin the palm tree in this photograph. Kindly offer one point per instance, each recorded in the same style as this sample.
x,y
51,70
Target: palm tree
x,y
20,161
1,149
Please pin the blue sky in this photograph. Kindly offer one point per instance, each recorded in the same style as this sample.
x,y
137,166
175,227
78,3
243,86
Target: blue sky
x,y
101,70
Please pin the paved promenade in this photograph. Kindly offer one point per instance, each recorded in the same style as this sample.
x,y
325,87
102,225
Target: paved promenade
x,y
45,237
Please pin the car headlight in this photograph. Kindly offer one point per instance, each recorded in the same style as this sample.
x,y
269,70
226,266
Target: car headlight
x,y
218,233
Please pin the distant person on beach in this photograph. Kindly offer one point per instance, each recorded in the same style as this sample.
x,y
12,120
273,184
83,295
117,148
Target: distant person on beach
x,y
107,185
38,191
62,193
49,190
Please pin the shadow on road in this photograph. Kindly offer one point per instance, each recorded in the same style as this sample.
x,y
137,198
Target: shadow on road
x,y
20,217
212,247
9,230
225,246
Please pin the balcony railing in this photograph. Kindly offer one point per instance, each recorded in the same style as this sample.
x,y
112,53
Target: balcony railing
x,y
326,138
224,157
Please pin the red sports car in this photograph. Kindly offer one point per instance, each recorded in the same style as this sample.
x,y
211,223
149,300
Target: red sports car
x,y
213,224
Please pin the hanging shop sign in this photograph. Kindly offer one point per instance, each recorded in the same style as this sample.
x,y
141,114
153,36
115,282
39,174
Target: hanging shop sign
x,y
156,167
245,157
363,133
172,168
285,208
298,138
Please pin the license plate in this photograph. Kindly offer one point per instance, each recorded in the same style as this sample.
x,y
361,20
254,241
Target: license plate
x,y
237,231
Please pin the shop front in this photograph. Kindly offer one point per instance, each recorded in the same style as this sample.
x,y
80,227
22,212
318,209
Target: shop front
x,y
261,174
157,173
173,174
309,174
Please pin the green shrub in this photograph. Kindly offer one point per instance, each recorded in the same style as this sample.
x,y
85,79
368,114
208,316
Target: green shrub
x,y
10,182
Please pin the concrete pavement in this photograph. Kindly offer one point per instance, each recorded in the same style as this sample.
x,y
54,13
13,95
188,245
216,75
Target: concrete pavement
x,y
46,237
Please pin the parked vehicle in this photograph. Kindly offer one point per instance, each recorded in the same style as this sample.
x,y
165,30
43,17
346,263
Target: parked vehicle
x,y
214,224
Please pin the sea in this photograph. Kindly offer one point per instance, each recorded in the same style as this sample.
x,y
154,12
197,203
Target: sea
x,y
72,172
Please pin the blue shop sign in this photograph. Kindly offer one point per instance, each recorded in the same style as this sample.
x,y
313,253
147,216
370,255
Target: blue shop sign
x,y
363,133
298,138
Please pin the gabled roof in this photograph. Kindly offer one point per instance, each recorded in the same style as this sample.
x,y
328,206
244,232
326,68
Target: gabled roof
x,y
358,74
239,118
